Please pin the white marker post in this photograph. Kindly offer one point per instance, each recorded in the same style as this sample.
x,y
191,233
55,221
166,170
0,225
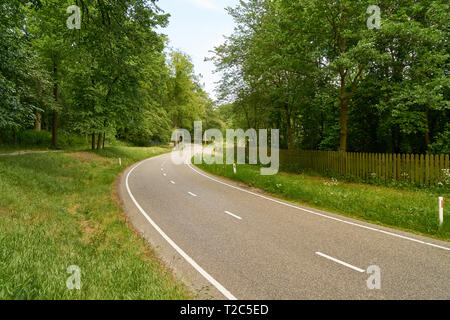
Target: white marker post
x,y
120,162
234,168
441,211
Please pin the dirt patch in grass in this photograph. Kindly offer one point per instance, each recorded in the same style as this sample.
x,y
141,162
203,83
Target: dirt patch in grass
x,y
87,228
6,212
93,235
22,152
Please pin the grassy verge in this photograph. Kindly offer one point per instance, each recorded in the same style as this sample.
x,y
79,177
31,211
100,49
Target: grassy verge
x,y
410,210
58,210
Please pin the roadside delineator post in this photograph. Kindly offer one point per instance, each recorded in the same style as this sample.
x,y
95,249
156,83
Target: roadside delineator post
x,y
441,211
234,168
120,162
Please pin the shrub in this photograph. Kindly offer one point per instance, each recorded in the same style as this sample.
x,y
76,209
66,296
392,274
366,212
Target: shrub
x,y
34,138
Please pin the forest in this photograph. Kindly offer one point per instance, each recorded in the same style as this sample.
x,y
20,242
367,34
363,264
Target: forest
x,y
316,70
114,77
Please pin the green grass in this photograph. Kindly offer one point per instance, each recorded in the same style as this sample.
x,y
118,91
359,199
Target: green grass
x,y
60,209
410,210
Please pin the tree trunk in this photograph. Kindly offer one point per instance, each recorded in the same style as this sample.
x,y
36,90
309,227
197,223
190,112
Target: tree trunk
x,y
175,122
427,128
93,141
104,138
55,129
391,142
290,132
38,121
44,122
343,101
99,141
343,122
55,113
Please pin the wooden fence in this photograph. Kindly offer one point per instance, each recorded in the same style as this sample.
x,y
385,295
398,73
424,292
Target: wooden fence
x,y
412,168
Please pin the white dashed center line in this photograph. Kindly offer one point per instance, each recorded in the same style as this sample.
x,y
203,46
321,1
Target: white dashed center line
x,y
192,194
172,182
233,215
340,262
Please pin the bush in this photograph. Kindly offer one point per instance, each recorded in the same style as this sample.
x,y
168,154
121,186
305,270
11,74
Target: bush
x,y
34,138
70,140
442,144
43,139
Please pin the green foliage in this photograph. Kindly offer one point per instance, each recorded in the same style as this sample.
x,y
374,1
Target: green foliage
x,y
442,144
56,210
43,140
34,138
315,70
15,76
110,77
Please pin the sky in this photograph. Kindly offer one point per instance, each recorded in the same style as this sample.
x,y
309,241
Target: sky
x,y
196,27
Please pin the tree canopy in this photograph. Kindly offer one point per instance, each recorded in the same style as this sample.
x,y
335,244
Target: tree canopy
x,y
111,76
315,70
324,73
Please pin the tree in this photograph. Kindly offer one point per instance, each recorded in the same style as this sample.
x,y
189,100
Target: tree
x,y
315,70
186,100
16,108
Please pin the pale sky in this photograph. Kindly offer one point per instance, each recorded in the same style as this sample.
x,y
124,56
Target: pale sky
x,y
195,27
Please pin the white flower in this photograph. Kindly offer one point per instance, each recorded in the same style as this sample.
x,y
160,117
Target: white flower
x,y
334,182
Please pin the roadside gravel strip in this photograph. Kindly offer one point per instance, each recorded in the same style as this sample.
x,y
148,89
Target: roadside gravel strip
x,y
229,242
20,153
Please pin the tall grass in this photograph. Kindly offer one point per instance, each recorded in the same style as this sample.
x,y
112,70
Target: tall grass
x,y
58,210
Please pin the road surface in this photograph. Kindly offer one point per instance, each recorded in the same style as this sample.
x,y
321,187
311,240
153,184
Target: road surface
x,y
229,242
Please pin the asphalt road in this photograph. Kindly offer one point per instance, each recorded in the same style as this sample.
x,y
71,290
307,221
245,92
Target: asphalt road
x,y
230,242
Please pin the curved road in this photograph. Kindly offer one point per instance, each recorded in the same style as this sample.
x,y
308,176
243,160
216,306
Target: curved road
x,y
229,242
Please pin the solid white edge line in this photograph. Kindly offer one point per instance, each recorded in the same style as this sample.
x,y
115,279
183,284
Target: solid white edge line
x,y
206,275
320,214
340,262
192,194
233,215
